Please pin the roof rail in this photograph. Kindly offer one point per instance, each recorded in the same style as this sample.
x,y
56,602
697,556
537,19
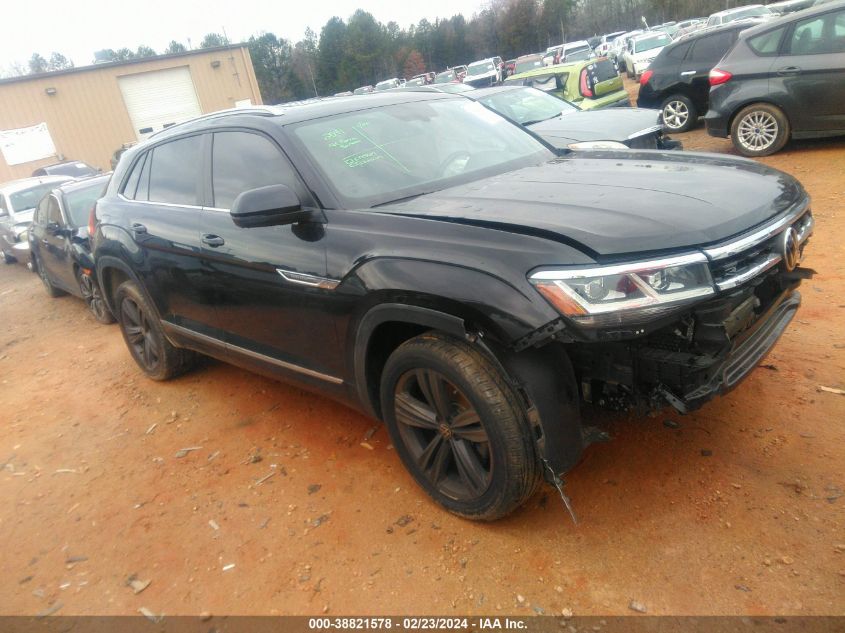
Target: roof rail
x,y
261,110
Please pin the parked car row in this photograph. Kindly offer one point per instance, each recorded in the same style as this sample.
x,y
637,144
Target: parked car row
x,y
758,82
44,224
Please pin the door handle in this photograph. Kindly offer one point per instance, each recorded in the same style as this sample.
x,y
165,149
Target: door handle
x,y
138,229
789,70
687,73
213,240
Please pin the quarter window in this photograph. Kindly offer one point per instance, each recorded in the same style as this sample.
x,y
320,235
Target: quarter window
x,y
54,214
242,161
678,52
712,48
767,43
131,186
175,170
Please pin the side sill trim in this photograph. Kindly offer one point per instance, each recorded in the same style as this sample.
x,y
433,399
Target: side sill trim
x,y
216,342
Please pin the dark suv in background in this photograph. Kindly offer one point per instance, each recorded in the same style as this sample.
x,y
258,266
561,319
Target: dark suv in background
x,y
783,79
424,260
677,81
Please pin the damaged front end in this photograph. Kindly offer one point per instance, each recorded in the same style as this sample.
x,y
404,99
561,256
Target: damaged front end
x,y
708,349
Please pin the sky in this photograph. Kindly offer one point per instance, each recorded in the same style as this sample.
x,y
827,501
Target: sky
x,y
78,28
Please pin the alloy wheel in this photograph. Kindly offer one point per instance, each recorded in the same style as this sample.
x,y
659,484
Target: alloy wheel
x,y
92,295
139,334
757,131
444,434
675,114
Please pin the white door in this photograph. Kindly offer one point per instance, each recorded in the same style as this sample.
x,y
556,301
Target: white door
x,y
158,99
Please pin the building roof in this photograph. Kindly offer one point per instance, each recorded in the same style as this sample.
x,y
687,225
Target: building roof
x,y
129,62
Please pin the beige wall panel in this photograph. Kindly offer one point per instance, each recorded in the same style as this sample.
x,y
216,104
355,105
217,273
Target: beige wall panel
x,y
87,117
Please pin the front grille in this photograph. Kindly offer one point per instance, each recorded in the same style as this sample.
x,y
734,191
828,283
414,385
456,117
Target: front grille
x,y
736,263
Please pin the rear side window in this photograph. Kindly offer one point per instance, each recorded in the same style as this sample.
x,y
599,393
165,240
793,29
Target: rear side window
x,y
242,161
712,48
175,171
767,43
677,53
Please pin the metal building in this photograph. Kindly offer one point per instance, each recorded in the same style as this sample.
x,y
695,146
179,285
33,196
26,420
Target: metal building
x,y
87,113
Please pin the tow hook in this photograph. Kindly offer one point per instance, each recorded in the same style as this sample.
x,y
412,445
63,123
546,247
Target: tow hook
x,y
559,483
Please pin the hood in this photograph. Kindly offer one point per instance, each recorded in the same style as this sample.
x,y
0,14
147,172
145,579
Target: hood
x,y
608,124
473,78
614,203
24,217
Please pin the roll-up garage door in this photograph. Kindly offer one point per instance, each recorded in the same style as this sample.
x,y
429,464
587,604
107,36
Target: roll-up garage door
x,y
158,99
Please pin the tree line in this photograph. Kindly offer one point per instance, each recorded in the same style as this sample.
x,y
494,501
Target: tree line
x,y
361,50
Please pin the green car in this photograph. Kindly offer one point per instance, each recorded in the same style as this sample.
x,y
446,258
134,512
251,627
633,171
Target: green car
x,y
589,84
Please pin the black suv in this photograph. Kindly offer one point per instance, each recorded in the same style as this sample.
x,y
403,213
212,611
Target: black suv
x,y
677,81
783,79
419,257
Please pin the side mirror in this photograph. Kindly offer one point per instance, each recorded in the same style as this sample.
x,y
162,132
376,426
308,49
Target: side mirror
x,y
52,228
274,205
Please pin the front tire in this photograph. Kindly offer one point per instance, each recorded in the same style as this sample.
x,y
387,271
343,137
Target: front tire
x,y
145,337
678,113
760,129
458,427
93,297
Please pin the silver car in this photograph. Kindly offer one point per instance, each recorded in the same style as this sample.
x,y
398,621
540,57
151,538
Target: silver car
x,y
18,199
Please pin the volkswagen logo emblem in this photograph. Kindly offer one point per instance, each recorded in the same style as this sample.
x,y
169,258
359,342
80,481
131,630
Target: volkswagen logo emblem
x,y
791,250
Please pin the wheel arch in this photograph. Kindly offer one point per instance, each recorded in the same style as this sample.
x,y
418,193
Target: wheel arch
x,y
111,272
543,378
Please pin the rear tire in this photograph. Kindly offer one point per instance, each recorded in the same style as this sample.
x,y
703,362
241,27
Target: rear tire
x,y
458,427
678,114
145,337
93,297
760,129
8,259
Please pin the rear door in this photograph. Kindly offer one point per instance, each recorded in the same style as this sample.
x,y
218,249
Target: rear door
x,y
162,219
270,291
54,247
694,71
811,73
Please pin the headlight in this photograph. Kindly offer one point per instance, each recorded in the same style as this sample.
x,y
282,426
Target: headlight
x,y
597,145
625,293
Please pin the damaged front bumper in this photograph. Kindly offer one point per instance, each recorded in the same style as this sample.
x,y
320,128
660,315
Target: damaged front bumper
x,y
717,375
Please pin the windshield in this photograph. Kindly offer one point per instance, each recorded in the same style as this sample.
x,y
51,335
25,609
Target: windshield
x,y
27,199
579,55
80,201
528,64
383,154
746,13
479,68
527,105
444,78
649,43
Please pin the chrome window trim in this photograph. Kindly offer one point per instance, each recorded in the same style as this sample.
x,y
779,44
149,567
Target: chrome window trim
x,y
738,246
167,325
160,204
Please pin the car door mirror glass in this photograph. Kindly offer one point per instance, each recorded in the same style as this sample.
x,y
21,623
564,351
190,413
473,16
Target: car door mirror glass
x,y
273,205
